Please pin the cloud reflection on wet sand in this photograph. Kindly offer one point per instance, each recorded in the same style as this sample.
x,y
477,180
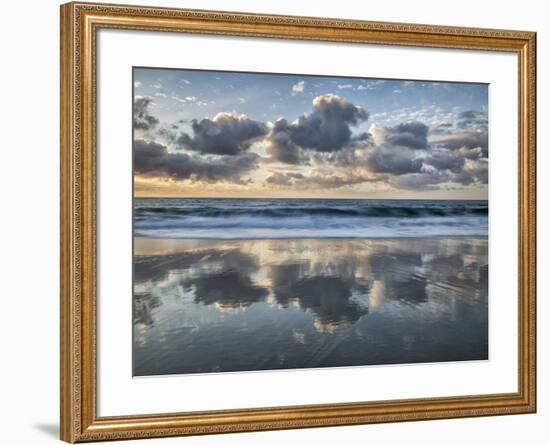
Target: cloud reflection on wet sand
x,y
213,305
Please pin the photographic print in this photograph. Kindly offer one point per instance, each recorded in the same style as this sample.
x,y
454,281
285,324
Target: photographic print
x,y
292,223
286,221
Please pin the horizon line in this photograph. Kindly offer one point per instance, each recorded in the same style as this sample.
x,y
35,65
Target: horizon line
x,y
309,198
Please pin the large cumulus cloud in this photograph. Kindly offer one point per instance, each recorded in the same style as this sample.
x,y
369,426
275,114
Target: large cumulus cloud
x,y
412,156
154,159
225,134
325,129
384,150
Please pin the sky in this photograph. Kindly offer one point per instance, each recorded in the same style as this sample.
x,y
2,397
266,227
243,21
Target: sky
x,y
231,134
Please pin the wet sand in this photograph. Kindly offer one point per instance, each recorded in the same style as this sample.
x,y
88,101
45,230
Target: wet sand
x,y
241,305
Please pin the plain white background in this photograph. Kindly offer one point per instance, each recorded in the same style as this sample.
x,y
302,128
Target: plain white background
x,y
29,86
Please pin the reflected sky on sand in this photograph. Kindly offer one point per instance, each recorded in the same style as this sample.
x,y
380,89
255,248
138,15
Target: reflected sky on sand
x,y
215,306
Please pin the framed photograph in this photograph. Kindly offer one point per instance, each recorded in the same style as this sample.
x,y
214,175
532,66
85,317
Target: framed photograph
x,y
274,222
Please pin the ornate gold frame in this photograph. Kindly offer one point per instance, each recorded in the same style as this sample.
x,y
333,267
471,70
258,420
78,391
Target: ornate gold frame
x,y
79,23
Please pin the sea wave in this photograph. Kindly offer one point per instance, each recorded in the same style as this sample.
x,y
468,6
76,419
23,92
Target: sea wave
x,y
249,218
285,212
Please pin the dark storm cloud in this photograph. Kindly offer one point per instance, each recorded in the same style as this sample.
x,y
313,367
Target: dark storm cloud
x,y
226,134
325,129
413,135
143,120
153,159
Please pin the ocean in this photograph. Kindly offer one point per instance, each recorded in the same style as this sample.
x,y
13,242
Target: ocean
x,y
213,218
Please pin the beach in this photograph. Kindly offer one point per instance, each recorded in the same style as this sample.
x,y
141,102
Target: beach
x,y
221,305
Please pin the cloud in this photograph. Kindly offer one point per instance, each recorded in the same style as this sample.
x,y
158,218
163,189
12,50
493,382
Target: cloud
x,y
424,149
413,135
463,139
154,159
419,181
478,170
446,160
298,88
278,178
471,134
469,114
395,162
225,134
471,172
322,178
471,153
402,157
370,85
281,146
341,179
143,120
444,127
472,119
325,129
